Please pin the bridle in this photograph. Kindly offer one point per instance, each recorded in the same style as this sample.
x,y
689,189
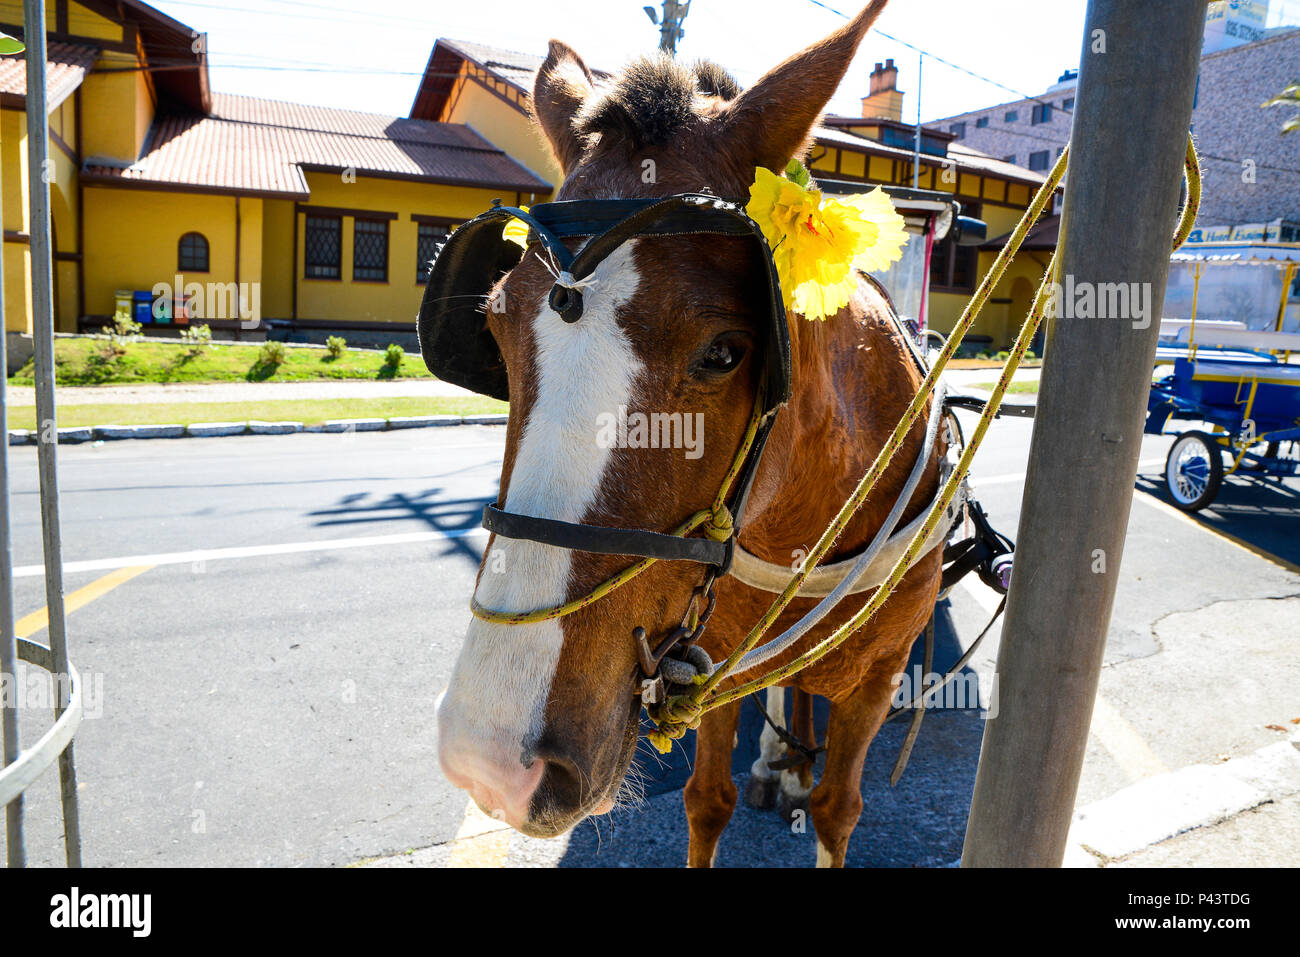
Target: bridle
x,y
452,340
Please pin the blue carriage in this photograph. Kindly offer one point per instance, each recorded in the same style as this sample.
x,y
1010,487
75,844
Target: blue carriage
x,y
1225,361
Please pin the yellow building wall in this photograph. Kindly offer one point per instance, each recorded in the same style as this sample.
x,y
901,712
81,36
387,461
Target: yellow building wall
x,y
81,21
86,23
118,110
277,258
13,188
398,299
505,127
132,238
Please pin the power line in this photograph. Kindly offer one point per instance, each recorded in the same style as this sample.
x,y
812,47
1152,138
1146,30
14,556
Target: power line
x,y
948,63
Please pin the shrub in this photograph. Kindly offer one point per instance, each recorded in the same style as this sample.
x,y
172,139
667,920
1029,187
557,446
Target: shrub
x,y
197,338
393,356
272,353
336,346
121,331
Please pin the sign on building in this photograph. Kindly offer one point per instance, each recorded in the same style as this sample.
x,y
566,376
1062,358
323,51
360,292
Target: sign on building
x,y
1230,23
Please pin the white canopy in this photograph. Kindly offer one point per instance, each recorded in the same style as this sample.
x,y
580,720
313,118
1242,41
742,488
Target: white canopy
x,y
1238,254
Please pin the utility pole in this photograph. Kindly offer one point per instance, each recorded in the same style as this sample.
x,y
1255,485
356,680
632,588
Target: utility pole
x,y
916,144
670,26
1136,85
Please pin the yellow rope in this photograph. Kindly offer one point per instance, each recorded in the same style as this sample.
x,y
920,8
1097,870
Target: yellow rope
x,y
715,520
680,712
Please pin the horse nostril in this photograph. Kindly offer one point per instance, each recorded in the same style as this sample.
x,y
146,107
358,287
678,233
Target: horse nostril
x,y
564,786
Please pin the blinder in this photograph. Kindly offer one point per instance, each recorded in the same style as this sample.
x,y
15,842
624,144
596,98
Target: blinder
x,y
455,340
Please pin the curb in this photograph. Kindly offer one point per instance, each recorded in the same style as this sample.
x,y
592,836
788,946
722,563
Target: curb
x,y
207,430
1164,806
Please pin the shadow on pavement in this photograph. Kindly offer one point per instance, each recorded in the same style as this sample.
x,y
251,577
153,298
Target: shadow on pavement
x,y
457,518
919,823
1262,513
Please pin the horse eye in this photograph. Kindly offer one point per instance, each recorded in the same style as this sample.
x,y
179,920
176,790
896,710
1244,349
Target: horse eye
x,y
722,356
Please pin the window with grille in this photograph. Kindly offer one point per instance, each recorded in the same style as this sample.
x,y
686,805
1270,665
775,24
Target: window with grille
x,y
981,122
370,250
323,247
1042,114
1040,160
192,255
426,247
1011,116
1067,103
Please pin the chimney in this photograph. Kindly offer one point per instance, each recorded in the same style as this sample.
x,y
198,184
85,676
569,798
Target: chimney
x,y
884,100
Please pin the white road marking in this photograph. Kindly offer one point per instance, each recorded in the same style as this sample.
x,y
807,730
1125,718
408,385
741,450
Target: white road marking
x,y
1120,739
250,551
979,481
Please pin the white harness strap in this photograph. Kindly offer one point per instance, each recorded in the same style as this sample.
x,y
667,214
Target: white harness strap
x,y
821,581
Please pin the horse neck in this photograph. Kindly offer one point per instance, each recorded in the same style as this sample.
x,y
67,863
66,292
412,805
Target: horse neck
x,y
853,380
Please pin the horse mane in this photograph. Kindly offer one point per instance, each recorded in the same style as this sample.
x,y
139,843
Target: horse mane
x,y
653,100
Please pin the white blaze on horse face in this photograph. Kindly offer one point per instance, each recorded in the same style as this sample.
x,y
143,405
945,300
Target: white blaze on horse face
x,y
494,708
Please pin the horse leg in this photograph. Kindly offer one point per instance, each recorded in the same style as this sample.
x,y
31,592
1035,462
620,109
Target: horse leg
x,y
763,780
797,782
837,799
710,794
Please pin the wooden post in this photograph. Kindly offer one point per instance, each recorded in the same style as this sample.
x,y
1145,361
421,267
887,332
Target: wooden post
x,y
1136,84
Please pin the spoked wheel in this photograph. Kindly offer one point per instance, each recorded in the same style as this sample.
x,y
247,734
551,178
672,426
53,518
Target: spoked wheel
x,y
1194,471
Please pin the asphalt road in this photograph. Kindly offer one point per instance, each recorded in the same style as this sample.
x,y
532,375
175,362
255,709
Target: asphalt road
x,y
262,693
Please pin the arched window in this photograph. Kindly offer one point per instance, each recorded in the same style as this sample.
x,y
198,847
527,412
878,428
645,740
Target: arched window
x,y
193,254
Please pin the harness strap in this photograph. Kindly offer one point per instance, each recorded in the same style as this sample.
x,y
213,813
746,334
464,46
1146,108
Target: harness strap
x,y
606,541
772,578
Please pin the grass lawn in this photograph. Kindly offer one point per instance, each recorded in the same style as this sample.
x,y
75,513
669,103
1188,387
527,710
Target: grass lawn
x,y
990,363
88,361
1021,387
272,410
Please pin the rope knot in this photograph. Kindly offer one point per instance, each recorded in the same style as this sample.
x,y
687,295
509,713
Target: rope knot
x,y
672,719
719,526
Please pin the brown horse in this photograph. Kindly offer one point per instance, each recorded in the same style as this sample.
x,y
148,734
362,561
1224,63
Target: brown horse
x,y
540,720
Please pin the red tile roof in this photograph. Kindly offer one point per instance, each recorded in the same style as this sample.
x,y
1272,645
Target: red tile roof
x,y
66,65
251,145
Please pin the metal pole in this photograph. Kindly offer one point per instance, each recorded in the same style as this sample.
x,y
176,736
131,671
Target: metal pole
x,y
39,173
916,143
1136,83
15,849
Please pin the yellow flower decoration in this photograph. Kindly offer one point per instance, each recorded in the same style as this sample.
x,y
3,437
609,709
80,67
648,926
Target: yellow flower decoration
x,y
516,230
818,244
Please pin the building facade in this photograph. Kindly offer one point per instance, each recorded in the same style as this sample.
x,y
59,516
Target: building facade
x,y
257,213
1251,169
490,89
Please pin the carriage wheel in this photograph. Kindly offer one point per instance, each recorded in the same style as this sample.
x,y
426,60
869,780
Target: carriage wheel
x,y
1194,471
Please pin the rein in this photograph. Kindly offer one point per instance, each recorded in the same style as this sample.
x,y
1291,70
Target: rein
x,y
693,689
682,712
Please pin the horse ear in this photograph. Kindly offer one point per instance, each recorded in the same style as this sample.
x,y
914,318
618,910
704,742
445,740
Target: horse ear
x,y
563,85
770,123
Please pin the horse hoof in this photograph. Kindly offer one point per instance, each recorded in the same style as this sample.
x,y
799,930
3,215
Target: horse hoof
x,y
761,792
792,806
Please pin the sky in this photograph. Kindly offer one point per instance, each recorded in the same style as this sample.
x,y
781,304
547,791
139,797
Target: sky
x,y
370,55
